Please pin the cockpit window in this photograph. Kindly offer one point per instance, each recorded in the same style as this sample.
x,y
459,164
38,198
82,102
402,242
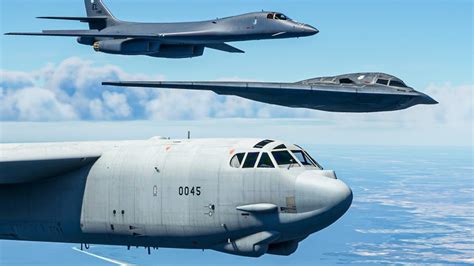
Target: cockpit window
x,y
396,83
382,81
281,146
265,161
310,158
250,160
280,16
346,81
284,158
304,160
263,143
236,161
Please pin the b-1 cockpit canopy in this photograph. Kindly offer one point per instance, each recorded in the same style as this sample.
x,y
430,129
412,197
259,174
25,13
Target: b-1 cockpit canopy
x,y
359,79
277,16
271,154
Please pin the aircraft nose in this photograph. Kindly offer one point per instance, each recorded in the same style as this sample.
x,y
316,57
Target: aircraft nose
x,y
425,99
310,30
318,192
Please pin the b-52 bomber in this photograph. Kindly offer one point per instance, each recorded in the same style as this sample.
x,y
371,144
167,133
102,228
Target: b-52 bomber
x,y
246,197
175,40
355,93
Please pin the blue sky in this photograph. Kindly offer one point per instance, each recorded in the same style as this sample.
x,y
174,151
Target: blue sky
x,y
429,44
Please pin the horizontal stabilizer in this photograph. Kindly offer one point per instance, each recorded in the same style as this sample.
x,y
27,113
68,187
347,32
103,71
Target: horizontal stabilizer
x,y
224,47
81,19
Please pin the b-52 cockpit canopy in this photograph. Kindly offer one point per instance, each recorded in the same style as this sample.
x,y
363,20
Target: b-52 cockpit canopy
x,y
272,154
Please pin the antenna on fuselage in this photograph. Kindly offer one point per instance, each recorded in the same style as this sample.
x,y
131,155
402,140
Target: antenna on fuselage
x,y
189,134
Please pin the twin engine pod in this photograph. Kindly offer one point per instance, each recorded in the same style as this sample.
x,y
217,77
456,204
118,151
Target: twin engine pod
x,y
146,47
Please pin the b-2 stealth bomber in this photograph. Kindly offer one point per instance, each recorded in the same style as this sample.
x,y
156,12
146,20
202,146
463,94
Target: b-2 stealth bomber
x,y
175,40
354,93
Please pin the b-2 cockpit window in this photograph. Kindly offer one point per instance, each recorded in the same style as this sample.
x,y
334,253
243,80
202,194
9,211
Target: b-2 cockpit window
x,y
236,161
250,160
382,81
265,161
284,158
346,81
270,15
396,83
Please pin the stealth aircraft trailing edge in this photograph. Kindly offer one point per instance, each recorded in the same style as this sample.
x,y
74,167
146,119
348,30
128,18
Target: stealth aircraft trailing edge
x,y
355,93
175,40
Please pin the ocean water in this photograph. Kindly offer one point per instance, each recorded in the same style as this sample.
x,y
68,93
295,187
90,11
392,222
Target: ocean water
x,y
412,205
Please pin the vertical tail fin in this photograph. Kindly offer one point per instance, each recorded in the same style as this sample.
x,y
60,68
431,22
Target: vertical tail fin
x,y
96,8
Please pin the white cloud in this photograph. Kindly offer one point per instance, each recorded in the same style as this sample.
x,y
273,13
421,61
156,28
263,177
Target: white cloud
x,y
35,104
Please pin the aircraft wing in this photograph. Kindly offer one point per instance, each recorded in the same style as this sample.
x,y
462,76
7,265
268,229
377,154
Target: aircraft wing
x,y
81,19
223,88
81,33
24,163
99,34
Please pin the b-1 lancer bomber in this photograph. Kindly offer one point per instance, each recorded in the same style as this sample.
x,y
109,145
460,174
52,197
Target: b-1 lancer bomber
x,y
175,40
355,93
246,197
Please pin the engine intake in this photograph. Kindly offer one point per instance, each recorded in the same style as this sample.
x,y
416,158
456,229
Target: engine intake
x,y
127,47
179,51
283,249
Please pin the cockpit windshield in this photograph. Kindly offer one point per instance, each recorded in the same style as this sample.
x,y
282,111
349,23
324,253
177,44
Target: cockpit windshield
x,y
280,157
284,159
278,16
396,83
302,157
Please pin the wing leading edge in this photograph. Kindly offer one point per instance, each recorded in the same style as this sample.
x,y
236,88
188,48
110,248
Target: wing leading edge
x,y
224,88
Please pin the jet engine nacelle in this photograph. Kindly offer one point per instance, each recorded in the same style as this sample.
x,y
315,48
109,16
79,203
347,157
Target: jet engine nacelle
x,y
86,40
283,249
179,51
250,246
127,47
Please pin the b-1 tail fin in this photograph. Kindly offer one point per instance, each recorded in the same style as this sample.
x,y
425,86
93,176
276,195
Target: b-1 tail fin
x,y
96,8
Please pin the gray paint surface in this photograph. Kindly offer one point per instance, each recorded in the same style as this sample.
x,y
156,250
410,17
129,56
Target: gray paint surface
x,y
175,40
357,92
165,193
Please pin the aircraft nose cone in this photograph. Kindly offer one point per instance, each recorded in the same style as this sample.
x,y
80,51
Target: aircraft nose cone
x,y
318,192
310,30
421,98
425,99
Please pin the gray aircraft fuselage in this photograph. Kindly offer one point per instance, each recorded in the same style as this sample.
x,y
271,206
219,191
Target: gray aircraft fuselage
x,y
175,40
245,197
355,93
